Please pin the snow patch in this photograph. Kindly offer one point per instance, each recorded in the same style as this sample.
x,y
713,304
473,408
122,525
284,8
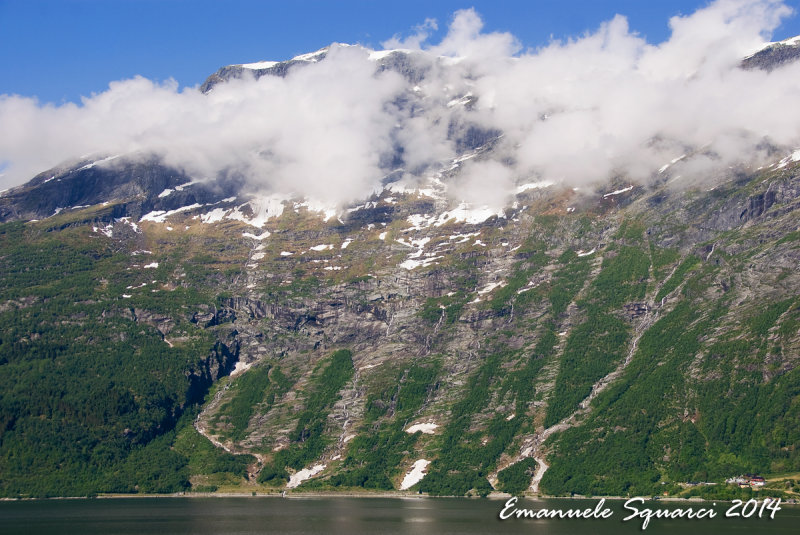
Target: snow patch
x,y
286,253
260,237
375,55
415,475
180,187
313,206
420,221
365,206
792,41
240,367
127,220
108,230
142,285
259,65
466,213
436,191
527,288
397,187
311,56
412,264
322,247
347,242
263,208
587,253
463,158
426,428
108,159
214,216
671,162
160,216
488,288
534,185
463,238
302,475
462,101
617,192
151,265
411,261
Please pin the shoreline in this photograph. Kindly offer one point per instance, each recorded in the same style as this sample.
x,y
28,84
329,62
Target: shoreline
x,y
375,495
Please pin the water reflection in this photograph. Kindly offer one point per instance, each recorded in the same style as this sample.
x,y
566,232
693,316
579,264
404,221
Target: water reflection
x,y
313,516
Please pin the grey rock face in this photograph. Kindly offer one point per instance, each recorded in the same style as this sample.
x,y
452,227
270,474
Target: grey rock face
x,y
133,184
235,72
773,57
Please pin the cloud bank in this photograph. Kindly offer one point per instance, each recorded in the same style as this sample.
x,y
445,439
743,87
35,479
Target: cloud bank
x,y
606,104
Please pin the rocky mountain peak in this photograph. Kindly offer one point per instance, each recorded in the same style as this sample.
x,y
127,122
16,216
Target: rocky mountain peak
x,y
774,55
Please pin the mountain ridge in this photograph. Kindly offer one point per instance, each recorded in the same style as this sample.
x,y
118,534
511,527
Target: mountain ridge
x,y
611,338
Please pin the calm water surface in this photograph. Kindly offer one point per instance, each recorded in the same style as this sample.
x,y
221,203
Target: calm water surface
x,y
301,516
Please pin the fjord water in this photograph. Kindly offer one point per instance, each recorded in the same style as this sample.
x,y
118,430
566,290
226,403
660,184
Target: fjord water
x,y
333,515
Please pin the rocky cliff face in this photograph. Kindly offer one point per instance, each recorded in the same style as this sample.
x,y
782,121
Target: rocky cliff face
x,y
490,289
524,323
610,339
135,185
774,55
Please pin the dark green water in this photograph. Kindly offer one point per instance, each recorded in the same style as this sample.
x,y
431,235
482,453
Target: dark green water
x,y
242,516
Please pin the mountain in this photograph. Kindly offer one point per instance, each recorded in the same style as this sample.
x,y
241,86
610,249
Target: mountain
x,y
166,332
773,55
259,69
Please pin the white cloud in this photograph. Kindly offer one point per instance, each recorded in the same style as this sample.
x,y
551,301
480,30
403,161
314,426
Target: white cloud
x,y
609,103
464,39
484,183
606,103
319,131
413,42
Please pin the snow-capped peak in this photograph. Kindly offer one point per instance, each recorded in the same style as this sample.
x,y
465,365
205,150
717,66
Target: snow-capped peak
x,y
312,57
376,55
260,65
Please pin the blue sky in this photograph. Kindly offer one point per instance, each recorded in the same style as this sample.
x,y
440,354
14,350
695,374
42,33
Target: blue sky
x,y
58,50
